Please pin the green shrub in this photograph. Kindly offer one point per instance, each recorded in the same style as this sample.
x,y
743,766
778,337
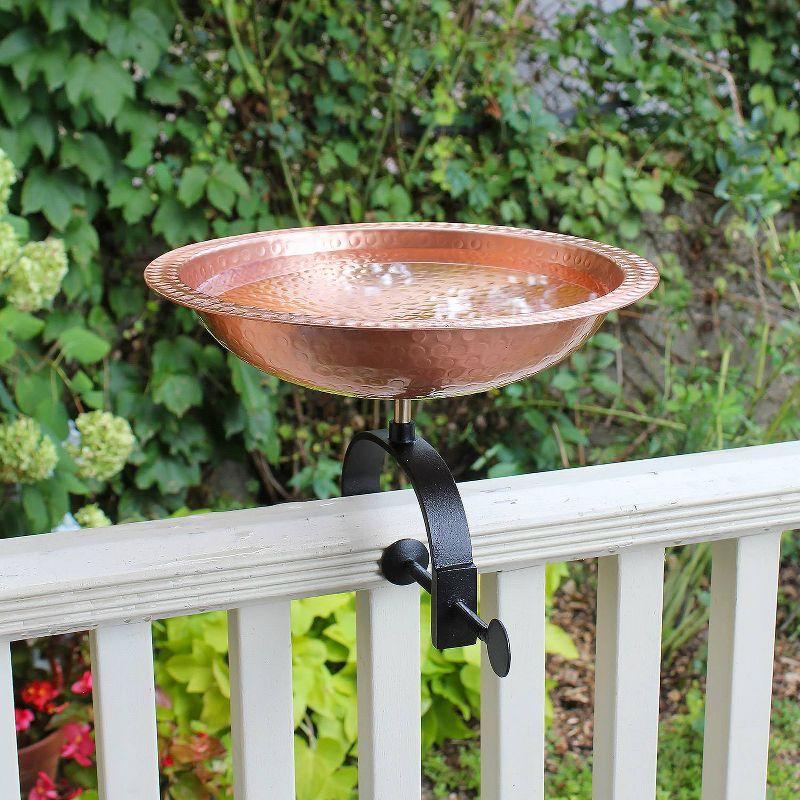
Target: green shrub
x,y
192,669
680,760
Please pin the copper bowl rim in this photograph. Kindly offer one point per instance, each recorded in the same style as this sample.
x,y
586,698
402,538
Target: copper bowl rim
x,y
640,278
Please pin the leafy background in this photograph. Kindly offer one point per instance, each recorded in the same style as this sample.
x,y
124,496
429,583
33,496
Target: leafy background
x,y
671,129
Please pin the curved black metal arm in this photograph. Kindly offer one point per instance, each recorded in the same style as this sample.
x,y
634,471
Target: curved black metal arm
x,y
453,581
436,490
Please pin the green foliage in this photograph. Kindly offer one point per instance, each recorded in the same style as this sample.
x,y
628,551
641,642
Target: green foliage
x,y
680,760
134,118
686,597
192,669
44,455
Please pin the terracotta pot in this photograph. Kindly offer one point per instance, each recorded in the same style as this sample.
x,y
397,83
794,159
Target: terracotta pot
x,y
43,756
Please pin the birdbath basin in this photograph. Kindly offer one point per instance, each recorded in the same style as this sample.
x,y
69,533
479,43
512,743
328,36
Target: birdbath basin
x,y
402,310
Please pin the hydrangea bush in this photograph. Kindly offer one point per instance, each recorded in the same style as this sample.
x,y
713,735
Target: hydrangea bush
x,y
49,462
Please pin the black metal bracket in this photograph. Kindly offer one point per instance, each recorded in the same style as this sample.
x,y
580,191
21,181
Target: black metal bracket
x,y
453,580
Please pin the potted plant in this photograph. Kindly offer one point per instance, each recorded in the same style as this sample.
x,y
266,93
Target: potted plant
x,y
53,713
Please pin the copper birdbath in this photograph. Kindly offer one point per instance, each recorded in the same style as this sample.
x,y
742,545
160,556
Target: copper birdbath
x,y
405,311
402,310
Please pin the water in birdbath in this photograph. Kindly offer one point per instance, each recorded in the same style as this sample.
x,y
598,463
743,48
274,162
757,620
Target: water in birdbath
x,y
404,291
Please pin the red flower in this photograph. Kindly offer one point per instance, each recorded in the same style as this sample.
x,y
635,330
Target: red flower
x,y
23,718
38,694
84,684
75,793
78,743
167,761
44,789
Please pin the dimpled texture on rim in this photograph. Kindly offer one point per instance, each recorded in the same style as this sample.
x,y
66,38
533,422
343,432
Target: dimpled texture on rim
x,y
405,358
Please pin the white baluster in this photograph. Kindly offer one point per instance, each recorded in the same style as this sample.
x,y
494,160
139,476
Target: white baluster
x,y
261,701
744,585
125,712
628,664
389,712
512,708
9,767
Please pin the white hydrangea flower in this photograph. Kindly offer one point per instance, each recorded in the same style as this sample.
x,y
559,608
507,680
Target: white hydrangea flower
x,y
8,176
9,247
37,274
91,516
27,454
104,444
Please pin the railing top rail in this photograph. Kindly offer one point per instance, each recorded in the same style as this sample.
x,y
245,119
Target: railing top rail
x,y
54,583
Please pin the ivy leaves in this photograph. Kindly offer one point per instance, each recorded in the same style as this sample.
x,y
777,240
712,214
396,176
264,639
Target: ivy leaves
x,y
222,184
143,37
83,345
192,185
176,366
53,193
102,80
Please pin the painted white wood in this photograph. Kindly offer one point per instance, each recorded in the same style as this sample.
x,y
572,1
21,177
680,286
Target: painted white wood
x,y
630,590
71,581
9,768
512,708
262,729
389,706
125,712
744,585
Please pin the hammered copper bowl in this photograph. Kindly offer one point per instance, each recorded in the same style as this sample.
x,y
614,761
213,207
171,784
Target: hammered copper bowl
x,y
399,357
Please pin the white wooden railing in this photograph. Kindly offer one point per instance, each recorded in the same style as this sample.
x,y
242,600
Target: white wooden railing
x,y
114,581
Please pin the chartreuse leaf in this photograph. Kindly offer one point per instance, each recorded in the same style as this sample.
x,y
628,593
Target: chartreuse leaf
x,y
558,641
216,713
321,773
301,618
183,667
219,670
215,631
